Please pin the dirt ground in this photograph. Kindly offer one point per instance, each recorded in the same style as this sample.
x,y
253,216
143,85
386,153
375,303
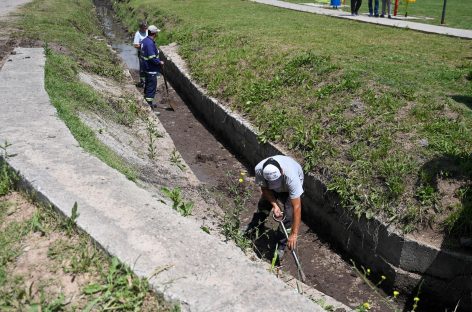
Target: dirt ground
x,y
48,265
34,269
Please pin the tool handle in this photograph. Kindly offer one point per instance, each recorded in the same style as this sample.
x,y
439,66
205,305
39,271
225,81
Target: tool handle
x,y
282,219
299,267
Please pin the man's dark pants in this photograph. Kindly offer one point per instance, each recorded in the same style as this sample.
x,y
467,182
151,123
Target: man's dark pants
x,y
375,9
263,210
355,6
150,87
142,74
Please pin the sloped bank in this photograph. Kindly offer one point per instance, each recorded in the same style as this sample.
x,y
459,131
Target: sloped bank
x,y
444,276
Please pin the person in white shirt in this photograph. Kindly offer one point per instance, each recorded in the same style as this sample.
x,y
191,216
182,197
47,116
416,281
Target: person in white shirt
x,y
138,37
281,181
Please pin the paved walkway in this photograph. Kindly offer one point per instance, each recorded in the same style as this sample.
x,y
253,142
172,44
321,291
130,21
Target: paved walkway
x,y
205,274
441,30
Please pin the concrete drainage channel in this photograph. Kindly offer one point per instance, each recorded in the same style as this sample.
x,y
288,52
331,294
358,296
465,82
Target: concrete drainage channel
x,y
444,276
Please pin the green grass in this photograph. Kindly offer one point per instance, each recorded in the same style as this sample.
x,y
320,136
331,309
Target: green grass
x,y
458,12
70,31
353,104
70,96
74,29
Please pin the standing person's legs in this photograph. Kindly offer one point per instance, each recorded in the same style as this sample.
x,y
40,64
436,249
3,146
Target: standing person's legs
x,y
358,6
371,11
142,75
353,6
387,3
150,88
376,8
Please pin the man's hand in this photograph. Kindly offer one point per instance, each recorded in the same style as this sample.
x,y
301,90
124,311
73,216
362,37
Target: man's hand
x,y
292,241
277,212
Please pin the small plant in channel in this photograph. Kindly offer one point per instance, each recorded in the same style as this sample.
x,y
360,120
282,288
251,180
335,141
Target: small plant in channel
x,y
239,191
178,203
176,159
153,135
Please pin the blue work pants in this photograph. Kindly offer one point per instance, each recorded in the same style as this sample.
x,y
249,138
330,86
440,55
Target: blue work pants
x,y
375,10
150,87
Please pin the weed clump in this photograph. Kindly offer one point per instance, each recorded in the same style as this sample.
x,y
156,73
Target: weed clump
x,y
178,203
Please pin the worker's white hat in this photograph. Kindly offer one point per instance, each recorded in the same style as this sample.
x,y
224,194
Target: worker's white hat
x,y
153,29
273,176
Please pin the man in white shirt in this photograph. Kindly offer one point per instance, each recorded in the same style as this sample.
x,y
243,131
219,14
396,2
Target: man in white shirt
x,y
138,37
281,181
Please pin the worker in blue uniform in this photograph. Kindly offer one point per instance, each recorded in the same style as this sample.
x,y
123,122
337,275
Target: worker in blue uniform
x,y
151,63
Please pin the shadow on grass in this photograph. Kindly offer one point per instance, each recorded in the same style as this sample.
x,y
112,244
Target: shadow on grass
x,y
452,278
464,99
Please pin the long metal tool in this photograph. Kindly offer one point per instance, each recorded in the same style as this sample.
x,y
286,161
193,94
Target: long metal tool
x,y
294,254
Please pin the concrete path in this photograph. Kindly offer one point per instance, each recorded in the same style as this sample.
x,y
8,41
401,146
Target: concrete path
x,y
8,6
441,30
204,274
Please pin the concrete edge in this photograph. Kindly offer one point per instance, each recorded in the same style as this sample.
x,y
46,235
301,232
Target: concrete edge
x,y
370,242
41,199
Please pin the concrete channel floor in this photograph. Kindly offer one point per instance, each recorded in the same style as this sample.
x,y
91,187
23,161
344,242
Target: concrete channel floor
x,y
394,22
204,273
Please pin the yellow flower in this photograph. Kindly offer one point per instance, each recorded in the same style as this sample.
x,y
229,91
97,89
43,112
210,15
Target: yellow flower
x,y
241,180
366,305
383,277
368,271
243,173
395,294
416,299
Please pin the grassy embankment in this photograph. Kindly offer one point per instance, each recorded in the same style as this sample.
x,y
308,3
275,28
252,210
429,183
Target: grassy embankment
x,y
458,12
381,115
46,264
74,42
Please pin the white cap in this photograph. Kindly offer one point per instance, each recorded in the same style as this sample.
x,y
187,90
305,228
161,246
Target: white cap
x,y
153,29
273,176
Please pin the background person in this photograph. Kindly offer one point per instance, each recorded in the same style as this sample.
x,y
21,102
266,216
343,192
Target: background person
x,y
151,64
389,7
281,181
355,6
138,37
375,10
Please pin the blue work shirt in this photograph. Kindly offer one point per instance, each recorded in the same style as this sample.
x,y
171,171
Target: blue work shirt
x,y
150,56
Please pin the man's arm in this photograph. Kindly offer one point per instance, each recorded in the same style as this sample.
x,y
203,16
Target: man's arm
x,y
271,199
136,42
297,218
